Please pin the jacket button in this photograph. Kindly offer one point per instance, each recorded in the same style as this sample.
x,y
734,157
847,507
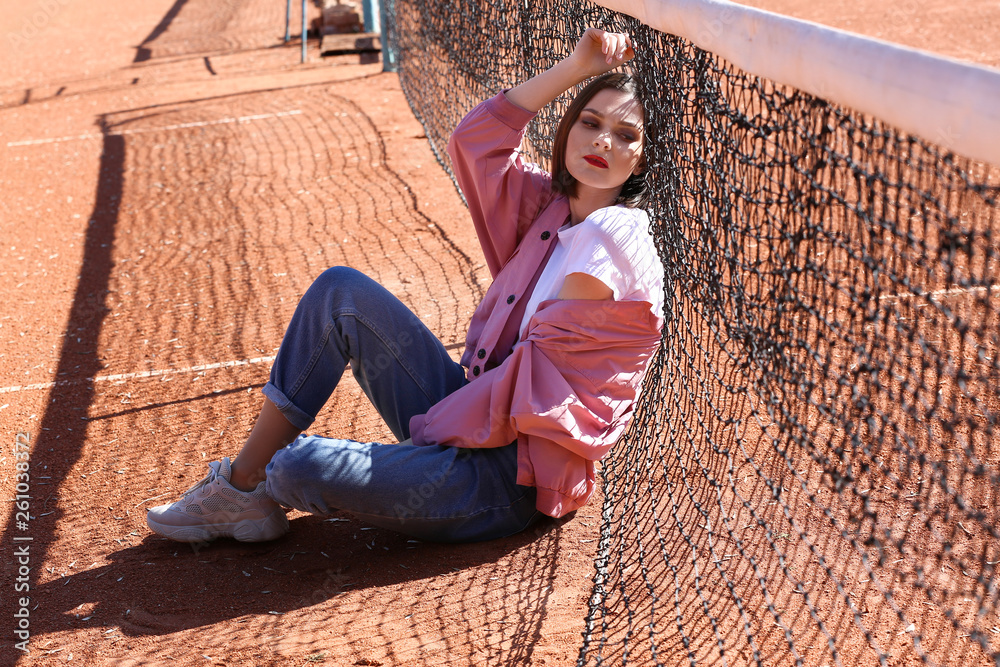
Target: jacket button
x,y
545,236
481,354
510,299
475,370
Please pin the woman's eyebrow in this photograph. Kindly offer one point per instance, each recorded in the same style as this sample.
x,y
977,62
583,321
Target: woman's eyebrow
x,y
626,123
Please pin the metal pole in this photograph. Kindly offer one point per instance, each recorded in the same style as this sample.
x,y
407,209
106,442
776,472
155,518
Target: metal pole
x,y
288,20
388,46
372,10
303,30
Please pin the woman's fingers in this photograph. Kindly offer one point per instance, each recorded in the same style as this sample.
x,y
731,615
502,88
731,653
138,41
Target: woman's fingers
x,y
603,51
619,41
625,51
616,48
609,47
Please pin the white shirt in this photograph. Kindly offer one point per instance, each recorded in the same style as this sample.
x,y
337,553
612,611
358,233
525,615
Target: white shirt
x,y
612,244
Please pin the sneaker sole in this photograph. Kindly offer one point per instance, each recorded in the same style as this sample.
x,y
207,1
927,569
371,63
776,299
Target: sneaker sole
x,y
248,530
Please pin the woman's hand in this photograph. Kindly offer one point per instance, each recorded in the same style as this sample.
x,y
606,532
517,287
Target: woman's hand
x,y
598,52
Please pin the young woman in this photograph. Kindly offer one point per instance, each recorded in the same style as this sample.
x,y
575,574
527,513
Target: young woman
x,y
554,356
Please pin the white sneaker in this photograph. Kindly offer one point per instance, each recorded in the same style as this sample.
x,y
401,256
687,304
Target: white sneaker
x,y
215,508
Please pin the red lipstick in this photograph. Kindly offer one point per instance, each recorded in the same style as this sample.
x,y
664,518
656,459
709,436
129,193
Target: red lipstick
x,y
597,161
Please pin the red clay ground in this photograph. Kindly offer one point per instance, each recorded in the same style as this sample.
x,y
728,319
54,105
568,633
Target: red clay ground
x,y
172,180
961,30
202,190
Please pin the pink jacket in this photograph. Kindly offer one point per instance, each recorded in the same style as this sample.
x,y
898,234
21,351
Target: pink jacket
x,y
566,391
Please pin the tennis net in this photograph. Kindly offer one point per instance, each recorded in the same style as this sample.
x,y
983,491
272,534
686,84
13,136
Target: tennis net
x,y
811,476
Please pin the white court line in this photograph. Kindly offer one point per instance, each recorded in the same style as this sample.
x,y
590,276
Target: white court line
x,y
955,291
137,375
181,126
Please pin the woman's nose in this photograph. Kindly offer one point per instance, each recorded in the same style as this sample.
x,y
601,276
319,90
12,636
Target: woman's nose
x,y
602,140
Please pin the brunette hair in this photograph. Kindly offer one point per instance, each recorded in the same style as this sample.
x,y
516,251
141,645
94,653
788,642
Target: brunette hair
x,y
635,191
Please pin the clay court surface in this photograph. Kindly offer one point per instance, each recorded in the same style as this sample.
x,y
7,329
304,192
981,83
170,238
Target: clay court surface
x,y
172,180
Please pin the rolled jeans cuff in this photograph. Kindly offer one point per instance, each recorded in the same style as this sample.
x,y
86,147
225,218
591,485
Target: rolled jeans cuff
x,y
296,417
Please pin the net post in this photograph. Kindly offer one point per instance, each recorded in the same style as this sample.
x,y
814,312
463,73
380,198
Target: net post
x,y
372,12
304,35
288,20
388,43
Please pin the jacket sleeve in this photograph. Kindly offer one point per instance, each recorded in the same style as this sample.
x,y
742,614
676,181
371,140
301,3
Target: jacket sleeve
x,y
526,396
570,382
504,193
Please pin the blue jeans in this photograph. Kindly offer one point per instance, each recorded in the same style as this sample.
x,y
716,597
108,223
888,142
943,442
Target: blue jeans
x,y
435,493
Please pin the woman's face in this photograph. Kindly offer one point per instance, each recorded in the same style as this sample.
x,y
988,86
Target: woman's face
x,y
604,145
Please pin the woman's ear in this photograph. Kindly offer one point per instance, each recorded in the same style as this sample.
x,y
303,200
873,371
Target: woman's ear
x,y
640,166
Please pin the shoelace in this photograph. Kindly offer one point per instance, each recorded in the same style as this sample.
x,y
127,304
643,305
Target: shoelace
x,y
207,479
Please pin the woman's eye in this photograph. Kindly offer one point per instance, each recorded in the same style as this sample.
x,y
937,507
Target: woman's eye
x,y
589,123
627,137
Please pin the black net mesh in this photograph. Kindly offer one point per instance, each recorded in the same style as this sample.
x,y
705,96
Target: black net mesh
x,y
811,475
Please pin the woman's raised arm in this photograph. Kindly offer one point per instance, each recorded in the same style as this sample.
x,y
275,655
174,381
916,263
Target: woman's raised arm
x,y
597,52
